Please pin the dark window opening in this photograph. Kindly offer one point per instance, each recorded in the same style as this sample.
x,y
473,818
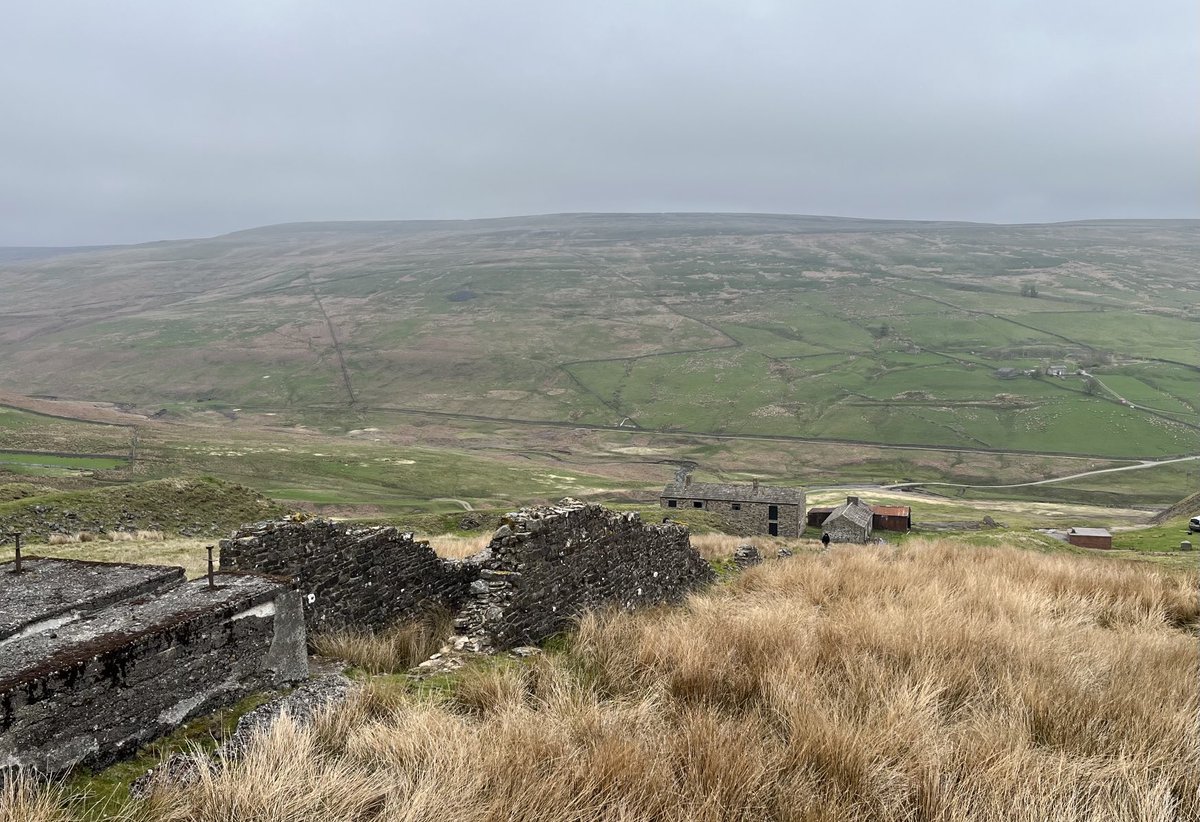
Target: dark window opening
x,y
772,512
773,528
737,506
672,503
697,504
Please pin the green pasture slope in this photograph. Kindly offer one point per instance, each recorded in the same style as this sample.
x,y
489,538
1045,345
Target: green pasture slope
x,y
39,445
856,330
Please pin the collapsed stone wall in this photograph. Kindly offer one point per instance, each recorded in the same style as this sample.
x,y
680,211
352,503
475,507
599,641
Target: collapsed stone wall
x,y
545,566
89,688
351,577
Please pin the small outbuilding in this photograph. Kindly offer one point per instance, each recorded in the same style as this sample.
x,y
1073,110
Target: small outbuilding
x,y
817,516
760,509
851,522
891,517
1090,537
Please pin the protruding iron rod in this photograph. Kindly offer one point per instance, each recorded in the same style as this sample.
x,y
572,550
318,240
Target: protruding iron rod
x,y
211,583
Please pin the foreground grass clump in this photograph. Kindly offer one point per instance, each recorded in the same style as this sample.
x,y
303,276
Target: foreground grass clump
x,y
390,651
936,682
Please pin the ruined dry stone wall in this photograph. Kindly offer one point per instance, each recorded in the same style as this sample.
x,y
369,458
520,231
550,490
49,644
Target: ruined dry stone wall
x,y
545,566
91,690
351,577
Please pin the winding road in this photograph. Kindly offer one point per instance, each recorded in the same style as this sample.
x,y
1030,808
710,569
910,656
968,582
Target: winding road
x,y
1144,464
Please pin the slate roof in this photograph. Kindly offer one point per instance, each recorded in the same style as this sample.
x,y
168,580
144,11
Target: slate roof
x,y
734,493
1090,532
857,512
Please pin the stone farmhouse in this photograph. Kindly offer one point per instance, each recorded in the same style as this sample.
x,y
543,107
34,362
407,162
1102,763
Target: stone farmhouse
x,y
851,522
760,509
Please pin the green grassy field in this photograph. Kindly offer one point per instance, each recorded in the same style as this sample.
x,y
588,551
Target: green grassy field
x,y
59,461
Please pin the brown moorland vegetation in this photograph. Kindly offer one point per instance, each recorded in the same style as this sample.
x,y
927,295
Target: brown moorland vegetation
x,y
933,682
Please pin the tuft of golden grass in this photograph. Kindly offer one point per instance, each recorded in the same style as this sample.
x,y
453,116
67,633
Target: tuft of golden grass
x,y
932,682
720,546
23,799
451,546
392,650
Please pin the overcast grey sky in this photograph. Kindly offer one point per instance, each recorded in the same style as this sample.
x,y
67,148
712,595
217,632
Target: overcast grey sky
x,y
126,121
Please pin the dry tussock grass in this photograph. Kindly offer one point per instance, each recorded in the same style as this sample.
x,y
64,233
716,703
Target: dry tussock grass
x,y
720,546
392,650
24,800
451,546
936,682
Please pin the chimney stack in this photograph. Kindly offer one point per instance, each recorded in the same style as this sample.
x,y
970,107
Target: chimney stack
x,y
754,487
687,480
852,500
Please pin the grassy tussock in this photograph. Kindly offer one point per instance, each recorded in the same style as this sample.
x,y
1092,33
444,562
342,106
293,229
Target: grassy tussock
x,y
451,546
392,650
937,682
24,800
720,546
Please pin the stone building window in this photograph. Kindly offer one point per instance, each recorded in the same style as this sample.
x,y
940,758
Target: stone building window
x,y
697,504
737,506
672,503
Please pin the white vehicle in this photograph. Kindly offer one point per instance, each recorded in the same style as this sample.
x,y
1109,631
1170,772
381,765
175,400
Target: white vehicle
x,y
1194,525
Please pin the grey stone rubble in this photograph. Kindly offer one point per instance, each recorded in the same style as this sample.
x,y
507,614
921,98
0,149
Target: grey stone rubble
x,y
745,556
90,686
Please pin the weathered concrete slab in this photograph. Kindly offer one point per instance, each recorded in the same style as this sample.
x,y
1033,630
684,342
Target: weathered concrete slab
x,y
50,589
93,689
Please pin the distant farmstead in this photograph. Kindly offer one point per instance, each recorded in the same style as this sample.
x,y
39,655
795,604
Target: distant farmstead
x,y
758,508
1090,537
851,522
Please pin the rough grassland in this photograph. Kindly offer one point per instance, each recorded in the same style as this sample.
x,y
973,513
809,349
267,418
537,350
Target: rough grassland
x,y
937,682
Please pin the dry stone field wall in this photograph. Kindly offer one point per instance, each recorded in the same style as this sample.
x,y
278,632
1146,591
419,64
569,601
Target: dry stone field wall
x,y
545,566
351,577
89,681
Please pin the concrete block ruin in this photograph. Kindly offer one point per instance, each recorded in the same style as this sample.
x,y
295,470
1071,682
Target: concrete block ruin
x,y
351,577
543,568
98,658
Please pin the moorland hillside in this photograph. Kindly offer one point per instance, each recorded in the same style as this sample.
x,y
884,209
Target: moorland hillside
x,y
850,330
